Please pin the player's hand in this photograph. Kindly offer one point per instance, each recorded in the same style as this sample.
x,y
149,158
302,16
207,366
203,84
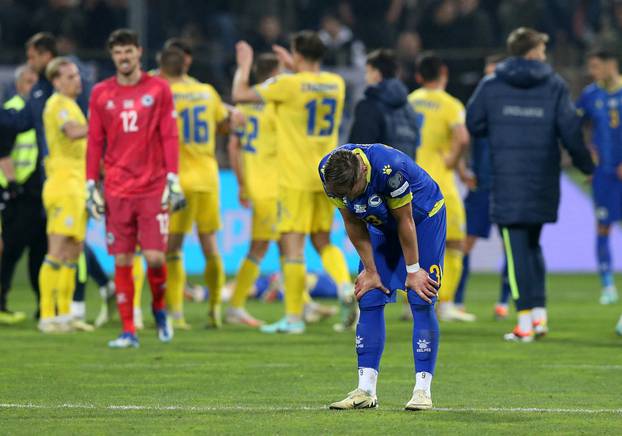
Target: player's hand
x,y
368,281
424,285
95,205
173,196
468,178
243,199
244,54
284,56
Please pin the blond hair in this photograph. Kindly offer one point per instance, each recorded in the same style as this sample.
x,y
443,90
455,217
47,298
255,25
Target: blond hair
x,y
52,71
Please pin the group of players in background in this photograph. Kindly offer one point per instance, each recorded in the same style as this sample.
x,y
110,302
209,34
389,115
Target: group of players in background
x,y
146,155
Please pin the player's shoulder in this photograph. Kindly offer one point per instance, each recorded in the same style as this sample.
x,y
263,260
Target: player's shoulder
x,y
155,81
281,79
591,90
416,94
104,85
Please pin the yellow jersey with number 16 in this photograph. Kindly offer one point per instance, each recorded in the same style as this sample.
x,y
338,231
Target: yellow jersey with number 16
x,y
308,109
199,110
259,150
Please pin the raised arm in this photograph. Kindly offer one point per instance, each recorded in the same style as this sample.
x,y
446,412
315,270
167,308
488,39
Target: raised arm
x,y
241,91
235,159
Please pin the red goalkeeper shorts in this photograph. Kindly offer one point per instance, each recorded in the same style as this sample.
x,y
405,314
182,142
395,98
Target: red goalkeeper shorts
x,y
135,221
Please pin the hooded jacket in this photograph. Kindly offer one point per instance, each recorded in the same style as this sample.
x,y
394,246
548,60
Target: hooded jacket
x,y
525,110
384,116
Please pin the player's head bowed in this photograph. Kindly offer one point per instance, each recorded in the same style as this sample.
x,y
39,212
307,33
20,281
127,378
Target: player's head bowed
x,y
344,174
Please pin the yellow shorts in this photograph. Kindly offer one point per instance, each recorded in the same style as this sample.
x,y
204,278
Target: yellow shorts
x,y
202,208
304,211
456,217
66,214
265,219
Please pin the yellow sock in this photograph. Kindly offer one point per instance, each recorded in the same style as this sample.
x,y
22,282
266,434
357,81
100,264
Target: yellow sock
x,y
451,274
335,265
138,274
294,278
247,275
175,282
214,278
66,286
49,276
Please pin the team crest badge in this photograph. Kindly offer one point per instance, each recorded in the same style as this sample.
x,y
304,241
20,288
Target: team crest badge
x,y
396,180
374,200
147,100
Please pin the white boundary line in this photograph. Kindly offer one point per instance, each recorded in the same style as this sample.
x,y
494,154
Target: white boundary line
x,y
159,408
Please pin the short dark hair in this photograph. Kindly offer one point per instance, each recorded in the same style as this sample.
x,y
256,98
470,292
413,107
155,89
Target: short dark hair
x,y
341,172
603,54
430,66
523,39
123,37
43,42
309,45
385,61
179,43
265,65
171,62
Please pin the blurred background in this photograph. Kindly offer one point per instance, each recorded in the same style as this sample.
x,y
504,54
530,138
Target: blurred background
x,y
463,32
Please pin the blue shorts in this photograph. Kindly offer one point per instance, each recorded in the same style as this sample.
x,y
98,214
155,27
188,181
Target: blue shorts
x,y
477,206
390,263
607,192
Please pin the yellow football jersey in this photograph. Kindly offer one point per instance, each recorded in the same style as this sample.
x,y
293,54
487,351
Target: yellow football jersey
x,y
199,110
259,150
65,164
308,109
440,113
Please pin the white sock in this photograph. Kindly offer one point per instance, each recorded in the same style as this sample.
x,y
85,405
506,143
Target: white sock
x,y
423,380
539,314
525,321
78,310
367,380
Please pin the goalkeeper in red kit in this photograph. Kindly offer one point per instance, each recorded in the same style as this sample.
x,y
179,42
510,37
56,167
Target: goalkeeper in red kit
x,y
133,129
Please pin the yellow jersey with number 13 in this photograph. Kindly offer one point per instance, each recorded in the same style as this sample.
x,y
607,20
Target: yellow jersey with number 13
x,y
308,109
199,110
259,150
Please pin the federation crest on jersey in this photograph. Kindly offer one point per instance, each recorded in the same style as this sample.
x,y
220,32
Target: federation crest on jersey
x,y
374,200
396,180
146,100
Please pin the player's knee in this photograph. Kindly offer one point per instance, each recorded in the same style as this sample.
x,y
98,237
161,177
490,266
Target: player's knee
x,y
458,245
155,259
603,229
258,249
415,300
320,240
372,299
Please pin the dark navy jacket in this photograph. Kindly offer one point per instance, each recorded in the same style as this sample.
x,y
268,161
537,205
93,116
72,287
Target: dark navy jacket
x,y
525,109
384,116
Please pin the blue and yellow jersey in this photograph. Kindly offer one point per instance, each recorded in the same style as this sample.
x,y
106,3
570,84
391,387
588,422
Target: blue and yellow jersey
x,y
393,180
439,113
199,110
601,107
65,164
259,150
309,109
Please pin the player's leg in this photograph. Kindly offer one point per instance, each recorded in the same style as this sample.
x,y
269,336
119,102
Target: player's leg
x,y
50,276
121,236
469,243
426,335
607,210
538,283
36,228
78,305
176,278
333,260
153,227
520,276
295,224
501,307
72,249
105,285
138,275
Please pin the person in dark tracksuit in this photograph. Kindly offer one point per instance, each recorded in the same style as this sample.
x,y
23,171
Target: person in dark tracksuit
x,y
384,115
525,109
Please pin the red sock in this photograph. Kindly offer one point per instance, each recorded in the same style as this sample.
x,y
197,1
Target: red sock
x,y
157,283
125,297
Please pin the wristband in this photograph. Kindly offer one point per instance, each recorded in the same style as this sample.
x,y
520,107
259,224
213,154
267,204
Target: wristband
x,y
411,269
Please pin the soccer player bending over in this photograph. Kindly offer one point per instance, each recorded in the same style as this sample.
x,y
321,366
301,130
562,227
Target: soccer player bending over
x,y
132,114
394,214
63,197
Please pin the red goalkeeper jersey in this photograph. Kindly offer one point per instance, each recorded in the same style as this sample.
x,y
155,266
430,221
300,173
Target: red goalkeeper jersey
x,y
134,129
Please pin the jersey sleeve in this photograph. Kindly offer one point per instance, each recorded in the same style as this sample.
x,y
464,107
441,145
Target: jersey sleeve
x,y
394,184
275,89
455,114
95,139
169,134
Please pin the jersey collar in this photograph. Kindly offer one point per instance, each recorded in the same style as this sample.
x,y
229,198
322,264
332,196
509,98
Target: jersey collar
x,y
361,153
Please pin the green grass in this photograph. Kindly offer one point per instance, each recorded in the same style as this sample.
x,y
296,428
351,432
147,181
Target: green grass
x,y
237,381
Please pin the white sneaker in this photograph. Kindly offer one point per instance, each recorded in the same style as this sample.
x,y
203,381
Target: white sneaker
x,y
357,399
138,318
316,312
239,315
447,312
420,400
608,295
81,326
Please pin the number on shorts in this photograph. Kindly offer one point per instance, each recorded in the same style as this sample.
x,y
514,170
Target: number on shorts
x,y
163,221
435,269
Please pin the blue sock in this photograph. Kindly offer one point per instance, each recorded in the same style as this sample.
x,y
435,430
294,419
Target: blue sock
x,y
603,254
466,266
505,285
426,335
370,336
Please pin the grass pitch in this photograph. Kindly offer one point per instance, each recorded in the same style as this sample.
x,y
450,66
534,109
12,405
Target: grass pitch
x,y
238,381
